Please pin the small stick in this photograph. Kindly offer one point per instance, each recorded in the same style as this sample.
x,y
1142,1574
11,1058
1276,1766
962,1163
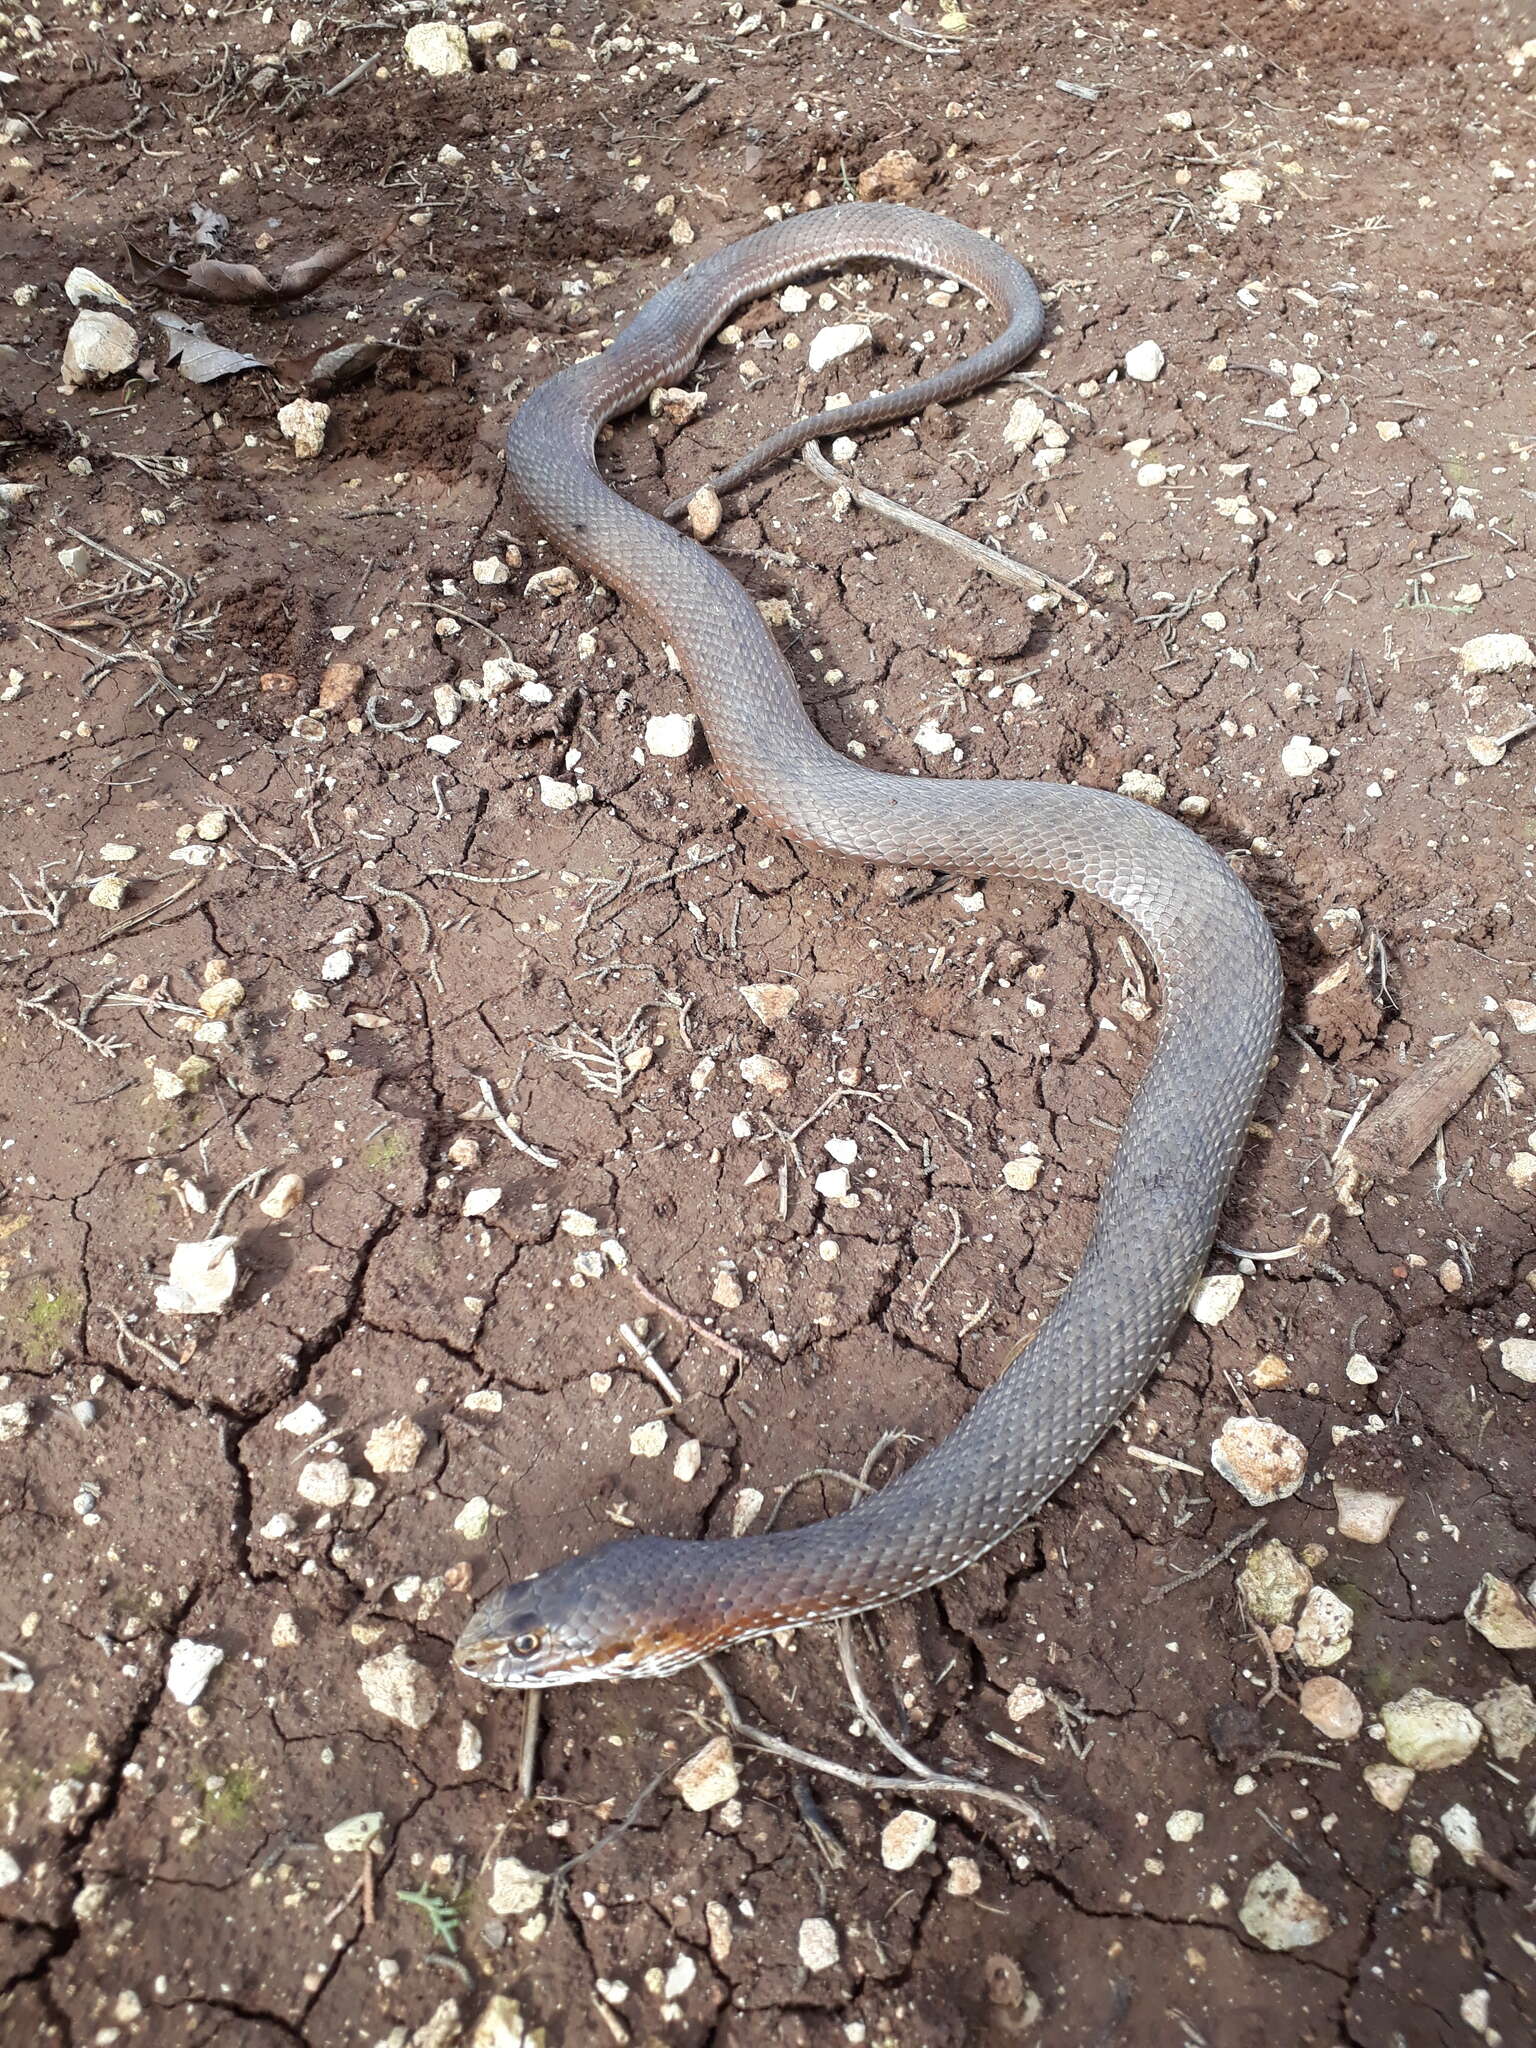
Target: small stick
x,y
239,1188
866,1781
120,931
1404,1127
878,28
649,1360
1188,1578
500,1120
1158,1458
1006,568
368,1885
707,1336
341,1905
528,1754
955,1243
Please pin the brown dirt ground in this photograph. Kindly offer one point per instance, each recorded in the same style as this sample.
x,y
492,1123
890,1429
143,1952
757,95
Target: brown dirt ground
x,y
166,1879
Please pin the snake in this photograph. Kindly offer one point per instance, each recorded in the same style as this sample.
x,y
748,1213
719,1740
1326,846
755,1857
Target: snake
x,y
646,1606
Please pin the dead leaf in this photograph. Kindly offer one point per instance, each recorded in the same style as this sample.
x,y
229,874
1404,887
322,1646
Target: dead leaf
x,y
242,284
329,369
199,359
208,227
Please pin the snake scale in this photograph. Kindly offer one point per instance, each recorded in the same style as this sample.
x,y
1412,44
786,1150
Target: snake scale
x,y
650,1605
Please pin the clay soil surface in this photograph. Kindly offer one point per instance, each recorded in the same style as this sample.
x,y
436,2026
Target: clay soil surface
x,y
490,947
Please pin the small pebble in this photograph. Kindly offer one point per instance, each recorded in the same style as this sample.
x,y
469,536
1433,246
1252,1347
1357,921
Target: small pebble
x,y
1145,362
1215,1298
305,1420
1264,1462
818,1945
1024,1700
1273,1583
325,1483
1024,425
1280,1913
1332,1709
202,1279
704,514
1428,1733
283,1197
15,1420
690,1456
440,48
490,569
727,1291
963,1877
398,1687
760,1072
1388,1784
108,893
474,1518
1496,654
1183,1824
670,737
395,1446
516,1891
1501,1614
1324,1630
833,343
1459,1826
189,1668
1389,430
481,1201
303,421
769,1001
649,1440
709,1777
1024,1173
1300,756
98,347
905,1837
1363,1516
1145,788
1508,1716
222,998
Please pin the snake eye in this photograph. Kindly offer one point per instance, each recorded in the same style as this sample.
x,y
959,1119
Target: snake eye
x,y
527,1641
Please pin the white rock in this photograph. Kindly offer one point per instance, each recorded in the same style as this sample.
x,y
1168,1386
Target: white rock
x,y
305,1420
1145,362
1299,756
471,1750
769,1001
222,997
1239,188
1273,1583
558,796
670,737
108,893
833,343
1364,1517
1496,654
395,1446
99,347
1389,430
440,48
905,1837
490,569
963,1878
1183,1824
1324,1629
10,1869
844,449
501,2025
1509,1716
709,1777
481,1201
302,421
690,1456
399,1688
1024,1172
932,737
1459,1826
338,964
758,1071
474,1518
283,1197
515,1889
1024,1700
1280,1913
1501,1614
794,299
1428,1733
1215,1298
15,1419
818,1944
1264,1462
1150,474
1145,788
1024,425
1522,1016
648,1440
500,672
558,581
350,1837
832,1182
1332,1709
203,1276
1388,1784
325,1483
189,1668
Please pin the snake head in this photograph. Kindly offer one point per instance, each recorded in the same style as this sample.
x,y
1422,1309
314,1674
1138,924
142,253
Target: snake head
x,y
613,1613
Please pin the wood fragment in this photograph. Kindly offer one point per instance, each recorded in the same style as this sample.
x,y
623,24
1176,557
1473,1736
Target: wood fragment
x,y
1392,1137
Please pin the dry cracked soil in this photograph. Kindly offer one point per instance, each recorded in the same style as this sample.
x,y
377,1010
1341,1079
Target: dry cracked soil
x,y
338,846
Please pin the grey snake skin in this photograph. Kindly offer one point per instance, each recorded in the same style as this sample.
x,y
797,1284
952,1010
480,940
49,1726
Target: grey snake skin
x,y
651,1605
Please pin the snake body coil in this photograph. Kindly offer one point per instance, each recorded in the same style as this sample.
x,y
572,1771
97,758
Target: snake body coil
x,y
652,1605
